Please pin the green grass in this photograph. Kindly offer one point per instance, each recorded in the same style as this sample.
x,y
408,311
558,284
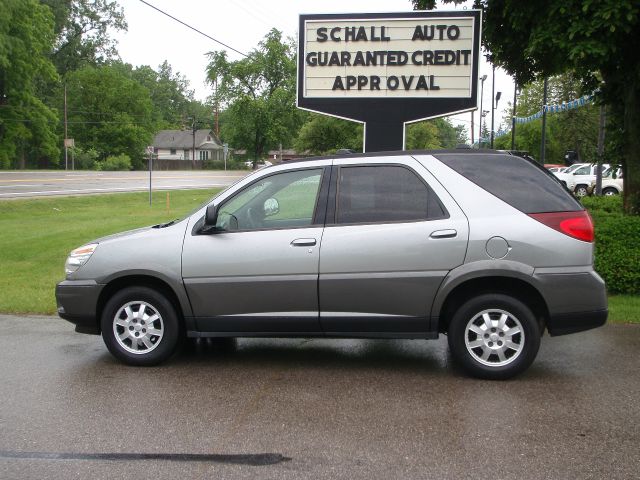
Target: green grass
x,y
624,309
37,235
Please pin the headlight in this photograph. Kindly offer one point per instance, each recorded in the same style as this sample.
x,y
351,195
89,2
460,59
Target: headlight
x,y
79,257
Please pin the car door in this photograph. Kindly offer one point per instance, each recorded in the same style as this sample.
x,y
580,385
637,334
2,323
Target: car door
x,y
392,234
258,271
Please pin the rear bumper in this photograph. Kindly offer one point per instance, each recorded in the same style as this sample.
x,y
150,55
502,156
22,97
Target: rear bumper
x,y
576,300
77,303
565,323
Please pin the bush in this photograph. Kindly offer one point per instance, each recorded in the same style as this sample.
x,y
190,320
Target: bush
x,y
617,244
118,162
219,165
84,159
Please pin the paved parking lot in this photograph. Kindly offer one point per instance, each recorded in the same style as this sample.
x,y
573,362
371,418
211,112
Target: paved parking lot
x,y
296,408
17,184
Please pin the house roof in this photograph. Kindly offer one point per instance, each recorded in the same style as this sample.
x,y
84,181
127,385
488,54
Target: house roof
x,y
183,139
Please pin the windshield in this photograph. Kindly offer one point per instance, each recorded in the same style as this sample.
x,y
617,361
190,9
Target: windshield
x,y
573,167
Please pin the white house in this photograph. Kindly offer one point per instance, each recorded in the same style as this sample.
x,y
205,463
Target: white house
x,y
187,144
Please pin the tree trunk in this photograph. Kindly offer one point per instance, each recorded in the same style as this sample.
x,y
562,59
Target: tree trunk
x,y
631,165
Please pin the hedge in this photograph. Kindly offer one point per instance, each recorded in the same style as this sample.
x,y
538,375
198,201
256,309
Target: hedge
x,y
617,257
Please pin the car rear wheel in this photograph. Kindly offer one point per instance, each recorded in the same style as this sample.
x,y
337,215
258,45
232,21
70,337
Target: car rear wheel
x,y
609,192
494,336
140,326
581,191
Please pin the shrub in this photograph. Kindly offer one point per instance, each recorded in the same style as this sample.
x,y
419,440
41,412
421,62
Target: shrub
x,y
117,162
219,165
84,159
617,253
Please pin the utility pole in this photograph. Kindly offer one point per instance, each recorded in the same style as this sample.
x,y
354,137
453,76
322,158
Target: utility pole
x,y
493,94
193,133
603,120
472,113
513,117
544,121
483,78
66,154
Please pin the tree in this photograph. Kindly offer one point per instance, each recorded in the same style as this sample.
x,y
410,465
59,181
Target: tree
x,y
26,123
110,112
322,134
259,94
423,136
571,130
596,40
82,32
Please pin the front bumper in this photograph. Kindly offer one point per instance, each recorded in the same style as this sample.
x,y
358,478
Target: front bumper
x,y
77,303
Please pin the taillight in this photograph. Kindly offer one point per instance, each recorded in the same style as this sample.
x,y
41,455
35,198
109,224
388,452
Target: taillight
x,y
575,224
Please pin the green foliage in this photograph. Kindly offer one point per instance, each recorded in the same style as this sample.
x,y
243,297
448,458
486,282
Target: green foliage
x,y
114,163
83,159
82,32
232,164
422,136
173,101
259,92
110,113
322,134
571,130
617,244
26,123
434,134
596,40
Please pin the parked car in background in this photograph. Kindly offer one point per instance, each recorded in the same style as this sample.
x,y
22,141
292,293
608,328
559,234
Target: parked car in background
x,y
578,177
563,176
260,164
610,186
481,246
554,167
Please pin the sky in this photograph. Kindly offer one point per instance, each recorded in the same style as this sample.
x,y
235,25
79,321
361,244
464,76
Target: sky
x,y
153,38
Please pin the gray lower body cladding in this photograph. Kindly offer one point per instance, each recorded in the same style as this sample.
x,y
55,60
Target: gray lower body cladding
x,y
576,301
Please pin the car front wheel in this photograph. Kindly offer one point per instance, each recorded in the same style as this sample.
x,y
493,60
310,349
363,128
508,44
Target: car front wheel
x,y
581,191
494,336
140,326
608,192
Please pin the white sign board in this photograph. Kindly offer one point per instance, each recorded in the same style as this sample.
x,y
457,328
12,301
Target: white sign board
x,y
389,57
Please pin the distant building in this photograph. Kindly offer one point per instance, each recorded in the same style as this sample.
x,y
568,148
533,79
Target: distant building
x,y
179,145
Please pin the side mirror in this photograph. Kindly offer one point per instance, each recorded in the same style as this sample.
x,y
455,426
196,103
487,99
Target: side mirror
x,y
271,207
211,216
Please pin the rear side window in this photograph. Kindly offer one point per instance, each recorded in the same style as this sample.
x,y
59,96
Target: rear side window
x,y
374,194
514,180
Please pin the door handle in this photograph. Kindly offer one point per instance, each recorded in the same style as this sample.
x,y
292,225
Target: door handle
x,y
443,234
303,242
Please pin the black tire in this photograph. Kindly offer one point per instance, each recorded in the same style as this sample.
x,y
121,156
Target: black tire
x,y
151,349
515,360
609,192
581,191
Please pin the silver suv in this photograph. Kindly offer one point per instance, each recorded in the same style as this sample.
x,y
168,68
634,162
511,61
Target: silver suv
x,y
485,247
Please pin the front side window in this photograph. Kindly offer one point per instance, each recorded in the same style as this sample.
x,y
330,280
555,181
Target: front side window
x,y
586,170
374,194
283,200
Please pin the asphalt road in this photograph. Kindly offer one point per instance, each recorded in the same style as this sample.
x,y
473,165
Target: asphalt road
x,y
314,409
16,184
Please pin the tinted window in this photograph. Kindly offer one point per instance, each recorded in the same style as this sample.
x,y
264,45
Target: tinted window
x,y
520,183
371,194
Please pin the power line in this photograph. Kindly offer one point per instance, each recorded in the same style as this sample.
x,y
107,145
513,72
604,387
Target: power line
x,y
194,29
